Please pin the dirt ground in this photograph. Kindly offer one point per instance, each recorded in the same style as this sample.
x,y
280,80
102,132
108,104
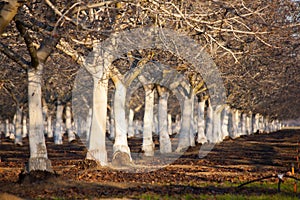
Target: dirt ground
x,y
229,164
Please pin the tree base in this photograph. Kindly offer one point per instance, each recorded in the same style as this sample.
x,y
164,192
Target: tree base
x,y
121,159
148,150
98,155
43,164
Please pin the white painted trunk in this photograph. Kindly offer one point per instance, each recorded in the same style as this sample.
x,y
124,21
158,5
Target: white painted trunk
x,y
38,151
170,124
45,114
256,123
201,123
112,120
261,124
249,123
69,129
244,123
49,127
155,127
121,144
164,139
108,125
24,127
88,125
58,125
193,122
217,132
130,124
236,118
176,127
18,127
96,142
148,145
184,134
225,122
12,131
209,123
7,133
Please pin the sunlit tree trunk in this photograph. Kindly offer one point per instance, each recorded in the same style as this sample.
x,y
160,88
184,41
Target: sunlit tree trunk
x,y
49,127
236,118
249,123
24,126
170,124
225,122
184,134
256,123
69,129
148,145
96,142
130,124
243,124
18,127
121,144
217,132
88,124
58,124
192,121
7,128
164,139
112,127
38,153
209,123
201,123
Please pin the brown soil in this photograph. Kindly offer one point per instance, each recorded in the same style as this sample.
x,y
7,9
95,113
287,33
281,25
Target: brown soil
x,y
229,164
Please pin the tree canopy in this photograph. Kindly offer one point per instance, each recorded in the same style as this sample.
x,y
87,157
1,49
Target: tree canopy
x,y
255,44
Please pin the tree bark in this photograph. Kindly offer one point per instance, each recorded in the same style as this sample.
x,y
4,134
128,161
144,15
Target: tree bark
x,y
38,152
201,123
209,123
164,139
121,145
130,124
70,132
184,134
225,122
18,127
148,145
58,124
96,142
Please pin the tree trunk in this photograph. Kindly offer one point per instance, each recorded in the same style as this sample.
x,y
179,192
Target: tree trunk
x,y
184,135
7,128
225,122
164,139
192,121
49,127
24,126
209,123
38,152
96,142
69,129
170,124
58,124
256,123
148,145
112,134
88,125
217,132
18,127
121,145
201,123
244,124
130,124
236,118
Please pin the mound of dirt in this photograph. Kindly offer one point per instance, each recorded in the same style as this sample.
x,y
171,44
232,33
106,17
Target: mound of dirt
x,y
37,176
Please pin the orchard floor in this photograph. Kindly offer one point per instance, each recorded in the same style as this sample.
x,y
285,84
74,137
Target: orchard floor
x,y
228,165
